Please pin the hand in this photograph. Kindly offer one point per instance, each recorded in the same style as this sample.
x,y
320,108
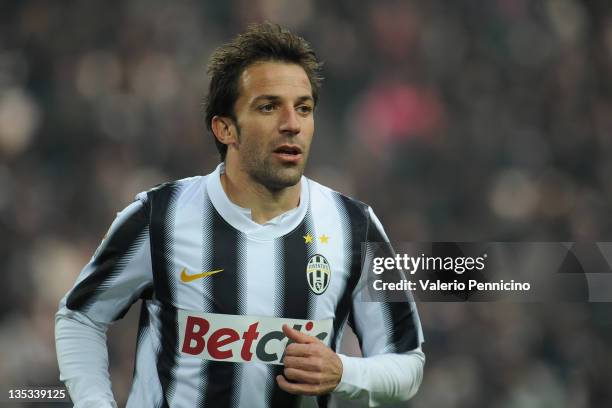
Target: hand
x,y
311,366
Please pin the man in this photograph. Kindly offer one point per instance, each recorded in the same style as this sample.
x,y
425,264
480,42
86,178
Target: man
x,y
235,265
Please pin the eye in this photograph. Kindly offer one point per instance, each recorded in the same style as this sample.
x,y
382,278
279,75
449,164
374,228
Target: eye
x,y
266,108
304,110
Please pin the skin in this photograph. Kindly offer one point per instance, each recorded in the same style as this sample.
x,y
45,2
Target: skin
x,y
275,108
311,368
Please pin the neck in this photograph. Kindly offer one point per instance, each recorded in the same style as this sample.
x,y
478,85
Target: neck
x,y
264,203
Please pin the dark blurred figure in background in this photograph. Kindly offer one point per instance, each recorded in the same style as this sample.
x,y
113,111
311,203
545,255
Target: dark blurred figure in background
x,y
477,121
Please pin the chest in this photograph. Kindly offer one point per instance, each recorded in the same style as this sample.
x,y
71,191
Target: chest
x,y
302,275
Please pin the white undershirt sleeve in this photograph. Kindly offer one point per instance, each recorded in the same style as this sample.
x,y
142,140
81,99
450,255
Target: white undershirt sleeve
x,y
384,378
83,360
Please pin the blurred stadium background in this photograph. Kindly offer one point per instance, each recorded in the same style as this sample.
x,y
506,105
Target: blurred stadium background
x,y
456,120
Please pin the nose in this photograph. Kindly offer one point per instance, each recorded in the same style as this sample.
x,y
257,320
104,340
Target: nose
x,y
289,121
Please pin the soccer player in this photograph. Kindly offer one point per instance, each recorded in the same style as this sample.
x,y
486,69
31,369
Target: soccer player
x,y
247,274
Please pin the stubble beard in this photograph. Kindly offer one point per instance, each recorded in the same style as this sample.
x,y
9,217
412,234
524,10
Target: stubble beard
x,y
274,177
258,164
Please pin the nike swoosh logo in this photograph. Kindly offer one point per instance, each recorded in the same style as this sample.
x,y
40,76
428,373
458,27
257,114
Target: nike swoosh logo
x,y
188,278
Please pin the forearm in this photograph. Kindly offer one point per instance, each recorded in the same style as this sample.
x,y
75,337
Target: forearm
x,y
383,378
83,360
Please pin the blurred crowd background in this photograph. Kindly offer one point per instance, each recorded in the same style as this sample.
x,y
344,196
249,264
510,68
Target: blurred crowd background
x,y
461,120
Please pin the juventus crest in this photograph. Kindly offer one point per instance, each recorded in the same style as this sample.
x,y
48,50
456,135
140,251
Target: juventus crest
x,y
318,273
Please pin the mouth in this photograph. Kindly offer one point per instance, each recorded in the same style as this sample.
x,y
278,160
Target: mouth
x,y
288,153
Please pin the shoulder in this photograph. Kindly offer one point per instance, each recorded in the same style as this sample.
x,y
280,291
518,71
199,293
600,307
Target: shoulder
x,y
352,207
171,190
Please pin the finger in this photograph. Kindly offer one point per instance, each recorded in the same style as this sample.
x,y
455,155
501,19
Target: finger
x,y
299,350
303,363
297,389
298,337
302,376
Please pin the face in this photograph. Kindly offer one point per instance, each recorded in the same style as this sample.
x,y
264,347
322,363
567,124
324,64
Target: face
x,y
274,114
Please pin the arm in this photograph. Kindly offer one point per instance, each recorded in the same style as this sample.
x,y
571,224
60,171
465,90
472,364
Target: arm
x,y
390,336
115,277
83,360
385,377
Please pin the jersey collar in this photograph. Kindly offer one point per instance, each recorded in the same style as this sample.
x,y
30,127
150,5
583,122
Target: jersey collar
x,y
240,218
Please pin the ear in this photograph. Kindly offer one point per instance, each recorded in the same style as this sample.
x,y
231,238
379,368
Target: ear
x,y
224,130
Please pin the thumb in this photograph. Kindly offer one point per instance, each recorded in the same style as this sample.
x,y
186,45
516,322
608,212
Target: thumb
x,y
298,337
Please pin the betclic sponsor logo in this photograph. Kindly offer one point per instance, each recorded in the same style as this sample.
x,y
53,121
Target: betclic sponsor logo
x,y
242,339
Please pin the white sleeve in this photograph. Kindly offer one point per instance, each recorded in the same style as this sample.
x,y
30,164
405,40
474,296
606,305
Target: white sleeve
x,y
383,378
83,361
390,336
118,274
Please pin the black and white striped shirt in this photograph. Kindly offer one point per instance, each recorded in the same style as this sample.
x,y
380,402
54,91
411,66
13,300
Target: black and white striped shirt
x,y
184,247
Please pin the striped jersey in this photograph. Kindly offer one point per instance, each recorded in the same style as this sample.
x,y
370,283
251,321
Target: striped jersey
x,y
210,278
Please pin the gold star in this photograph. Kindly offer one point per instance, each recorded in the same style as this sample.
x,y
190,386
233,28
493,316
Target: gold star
x,y
308,238
324,238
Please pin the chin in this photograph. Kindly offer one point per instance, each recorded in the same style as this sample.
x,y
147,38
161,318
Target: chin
x,y
281,179
279,184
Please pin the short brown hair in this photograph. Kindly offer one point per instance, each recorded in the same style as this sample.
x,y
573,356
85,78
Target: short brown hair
x,y
261,42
